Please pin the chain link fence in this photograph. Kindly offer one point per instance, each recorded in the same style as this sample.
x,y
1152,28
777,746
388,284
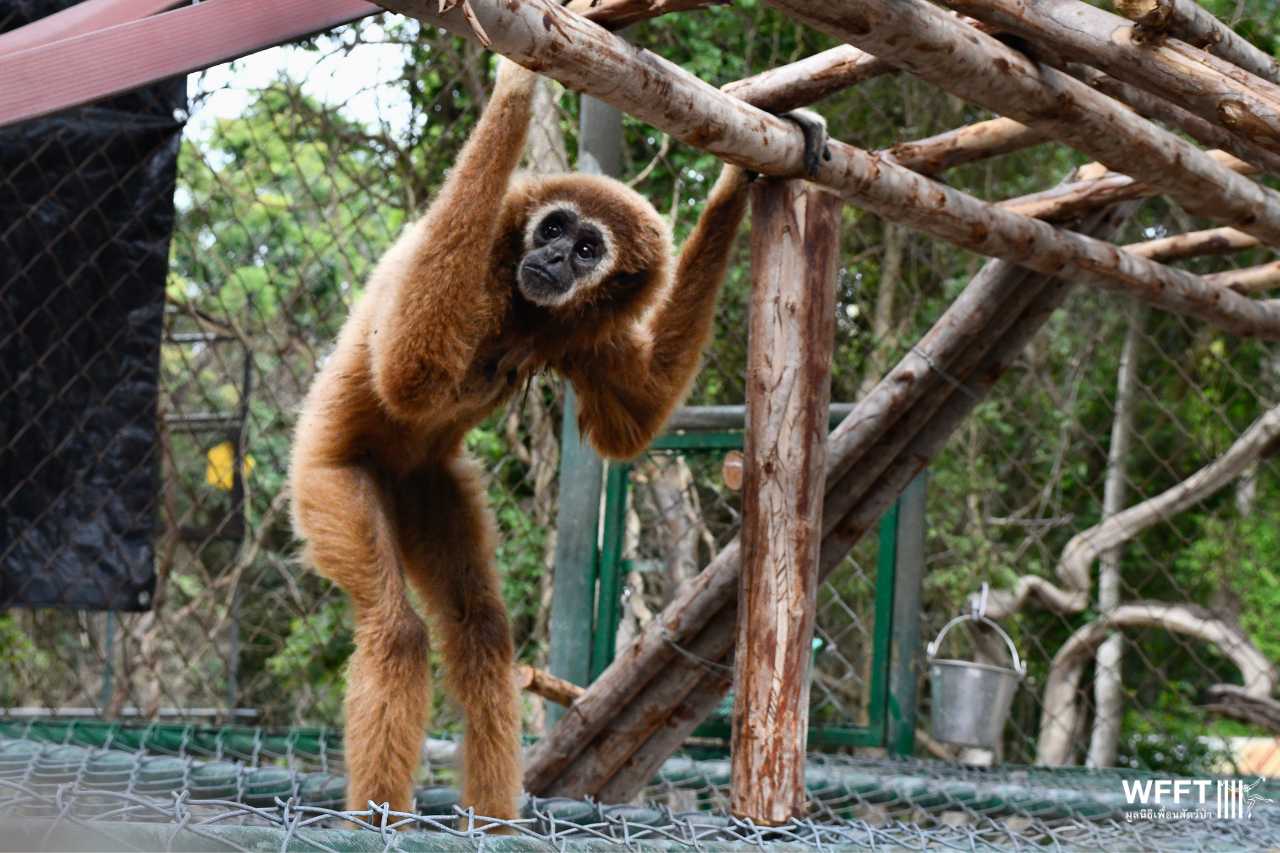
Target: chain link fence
x,y
296,169
243,788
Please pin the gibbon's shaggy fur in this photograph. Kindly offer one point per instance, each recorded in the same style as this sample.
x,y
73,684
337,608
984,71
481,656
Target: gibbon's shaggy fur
x,y
383,493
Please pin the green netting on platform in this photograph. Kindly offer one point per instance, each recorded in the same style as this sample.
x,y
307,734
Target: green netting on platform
x,y
89,786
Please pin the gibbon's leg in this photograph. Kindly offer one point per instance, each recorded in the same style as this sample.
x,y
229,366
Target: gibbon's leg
x,y
449,560
343,513
435,276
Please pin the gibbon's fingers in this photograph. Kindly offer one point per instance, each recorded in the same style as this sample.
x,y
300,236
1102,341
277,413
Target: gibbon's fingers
x,y
814,128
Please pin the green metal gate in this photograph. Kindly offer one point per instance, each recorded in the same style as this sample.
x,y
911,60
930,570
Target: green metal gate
x,y
890,707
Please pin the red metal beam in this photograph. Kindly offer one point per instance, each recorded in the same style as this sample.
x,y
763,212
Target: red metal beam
x,y
87,67
85,16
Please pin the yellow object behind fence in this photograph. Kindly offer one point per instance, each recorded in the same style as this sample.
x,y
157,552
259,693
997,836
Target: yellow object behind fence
x,y
222,459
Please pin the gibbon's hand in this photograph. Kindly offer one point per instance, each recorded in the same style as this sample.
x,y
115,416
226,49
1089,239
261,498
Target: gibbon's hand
x,y
814,128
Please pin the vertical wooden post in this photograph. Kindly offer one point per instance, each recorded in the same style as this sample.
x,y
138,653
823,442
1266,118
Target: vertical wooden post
x,y
795,229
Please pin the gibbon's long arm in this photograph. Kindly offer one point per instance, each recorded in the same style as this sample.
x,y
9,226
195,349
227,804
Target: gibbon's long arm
x,y
438,271
627,391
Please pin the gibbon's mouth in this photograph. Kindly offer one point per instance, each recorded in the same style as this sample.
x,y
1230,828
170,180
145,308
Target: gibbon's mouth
x,y
540,286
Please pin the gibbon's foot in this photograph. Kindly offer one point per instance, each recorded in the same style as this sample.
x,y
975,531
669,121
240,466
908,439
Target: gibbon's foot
x,y
814,128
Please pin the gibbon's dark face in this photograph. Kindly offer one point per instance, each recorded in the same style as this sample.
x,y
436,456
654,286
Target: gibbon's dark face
x,y
564,253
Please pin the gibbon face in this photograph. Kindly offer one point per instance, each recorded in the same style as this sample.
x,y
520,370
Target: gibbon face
x,y
563,251
587,243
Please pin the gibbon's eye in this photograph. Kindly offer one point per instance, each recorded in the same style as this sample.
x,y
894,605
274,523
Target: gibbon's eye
x,y
585,250
551,230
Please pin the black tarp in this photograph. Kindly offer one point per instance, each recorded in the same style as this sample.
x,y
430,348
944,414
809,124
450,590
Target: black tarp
x,y
86,214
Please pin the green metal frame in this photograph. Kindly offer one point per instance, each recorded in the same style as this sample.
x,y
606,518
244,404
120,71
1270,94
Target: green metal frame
x,y
610,568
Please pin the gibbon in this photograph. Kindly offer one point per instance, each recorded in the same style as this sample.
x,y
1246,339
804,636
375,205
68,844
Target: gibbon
x,y
500,278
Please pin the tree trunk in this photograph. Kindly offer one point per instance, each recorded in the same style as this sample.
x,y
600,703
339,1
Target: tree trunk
x,y
1108,687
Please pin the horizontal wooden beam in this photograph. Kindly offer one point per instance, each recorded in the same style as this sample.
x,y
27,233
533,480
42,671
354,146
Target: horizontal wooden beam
x,y
1212,241
542,683
1096,186
1257,279
552,40
1189,21
921,38
1212,88
967,144
800,83
1171,115
616,14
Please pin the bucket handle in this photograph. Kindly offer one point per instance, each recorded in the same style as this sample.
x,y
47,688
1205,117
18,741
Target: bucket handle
x,y
932,649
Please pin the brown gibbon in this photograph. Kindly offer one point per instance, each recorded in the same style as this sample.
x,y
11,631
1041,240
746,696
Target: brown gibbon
x,y
502,277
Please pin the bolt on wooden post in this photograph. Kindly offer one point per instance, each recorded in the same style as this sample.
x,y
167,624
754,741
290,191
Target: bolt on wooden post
x,y
794,254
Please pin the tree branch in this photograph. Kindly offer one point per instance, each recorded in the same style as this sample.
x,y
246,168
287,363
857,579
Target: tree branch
x,y
1085,547
1059,718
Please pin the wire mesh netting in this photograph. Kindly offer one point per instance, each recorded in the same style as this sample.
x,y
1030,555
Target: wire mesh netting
x,y
299,165
680,513
183,787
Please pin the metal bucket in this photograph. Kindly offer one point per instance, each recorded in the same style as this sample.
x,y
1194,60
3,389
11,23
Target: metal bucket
x,y
971,700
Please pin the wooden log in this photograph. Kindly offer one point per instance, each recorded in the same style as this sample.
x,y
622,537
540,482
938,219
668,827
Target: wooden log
x,y
1212,88
1157,109
616,14
800,83
924,40
966,144
1257,279
1067,201
1097,186
634,722
584,56
795,241
674,732
542,683
1189,21
1212,241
